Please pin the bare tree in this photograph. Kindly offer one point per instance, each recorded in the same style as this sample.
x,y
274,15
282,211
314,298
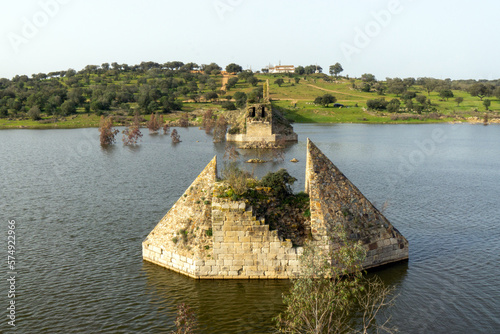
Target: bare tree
x,y
278,150
220,129
208,121
184,120
132,134
154,123
107,133
230,153
331,290
176,138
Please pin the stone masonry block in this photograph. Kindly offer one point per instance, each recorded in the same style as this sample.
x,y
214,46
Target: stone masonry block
x,y
239,262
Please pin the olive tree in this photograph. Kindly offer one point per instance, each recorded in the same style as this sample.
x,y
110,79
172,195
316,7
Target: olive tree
x,y
336,70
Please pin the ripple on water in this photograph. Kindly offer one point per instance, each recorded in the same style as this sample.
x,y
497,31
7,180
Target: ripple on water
x,y
81,218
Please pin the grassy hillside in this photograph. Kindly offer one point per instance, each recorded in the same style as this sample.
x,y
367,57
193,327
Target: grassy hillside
x,y
70,99
296,100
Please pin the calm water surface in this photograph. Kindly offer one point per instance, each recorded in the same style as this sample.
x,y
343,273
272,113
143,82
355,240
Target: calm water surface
x,y
82,212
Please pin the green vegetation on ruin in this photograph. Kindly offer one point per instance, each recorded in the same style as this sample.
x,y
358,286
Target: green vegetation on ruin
x,y
271,198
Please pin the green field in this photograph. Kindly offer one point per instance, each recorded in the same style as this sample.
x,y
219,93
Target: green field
x,y
297,102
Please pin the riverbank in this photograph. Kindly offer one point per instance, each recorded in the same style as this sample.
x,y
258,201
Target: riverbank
x,y
335,117
301,98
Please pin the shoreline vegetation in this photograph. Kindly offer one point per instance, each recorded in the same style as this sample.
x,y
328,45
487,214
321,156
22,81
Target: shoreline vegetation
x,y
70,99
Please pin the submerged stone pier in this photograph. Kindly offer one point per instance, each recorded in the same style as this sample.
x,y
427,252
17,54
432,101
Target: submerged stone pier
x,y
205,236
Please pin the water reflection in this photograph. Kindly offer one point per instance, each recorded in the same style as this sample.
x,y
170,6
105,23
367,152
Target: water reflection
x,y
221,306
83,212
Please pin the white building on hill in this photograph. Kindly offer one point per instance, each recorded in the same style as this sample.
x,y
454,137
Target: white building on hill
x,y
282,69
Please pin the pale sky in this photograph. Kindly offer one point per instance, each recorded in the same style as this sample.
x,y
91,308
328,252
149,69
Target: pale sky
x,y
389,38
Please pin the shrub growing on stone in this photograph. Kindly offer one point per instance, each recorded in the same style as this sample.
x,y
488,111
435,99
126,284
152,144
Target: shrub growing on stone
x,y
281,182
236,178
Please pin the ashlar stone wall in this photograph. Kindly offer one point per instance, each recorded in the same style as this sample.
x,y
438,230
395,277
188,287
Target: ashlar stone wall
x,y
244,247
205,235
180,240
336,201
221,238
263,124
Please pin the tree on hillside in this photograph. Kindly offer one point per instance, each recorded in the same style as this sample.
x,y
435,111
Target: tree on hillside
x,y
379,88
279,81
67,108
395,86
421,99
240,99
255,95
211,96
253,81
377,104
445,94
212,85
233,68
480,90
459,100
336,70
393,106
429,84
34,113
174,65
245,75
189,67
76,96
213,68
496,92
368,78
409,95
325,100
228,105
169,104
311,69
300,70
487,103
408,82
231,83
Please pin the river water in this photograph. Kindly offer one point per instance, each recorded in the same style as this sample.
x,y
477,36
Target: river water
x,y
81,213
